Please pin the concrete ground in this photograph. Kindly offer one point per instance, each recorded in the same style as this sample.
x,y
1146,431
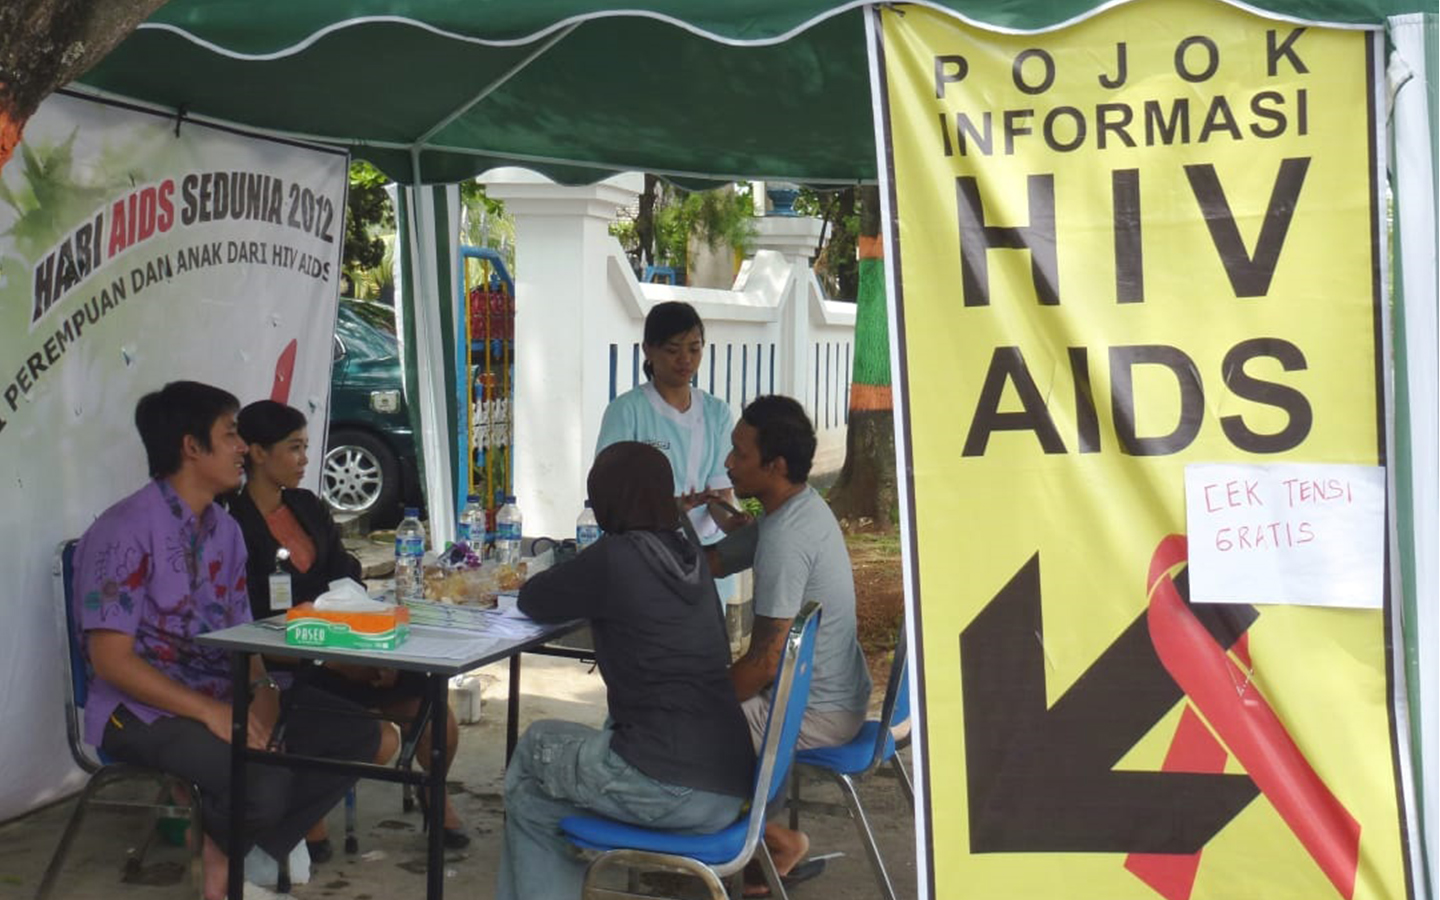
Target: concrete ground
x,y
390,864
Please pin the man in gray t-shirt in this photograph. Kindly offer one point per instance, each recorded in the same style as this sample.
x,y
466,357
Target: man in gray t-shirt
x,y
798,554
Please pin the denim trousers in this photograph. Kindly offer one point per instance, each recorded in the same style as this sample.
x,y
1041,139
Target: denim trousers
x,y
563,769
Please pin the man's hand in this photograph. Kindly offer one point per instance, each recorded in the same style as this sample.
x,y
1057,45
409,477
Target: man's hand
x,y
720,503
384,678
727,516
217,717
112,653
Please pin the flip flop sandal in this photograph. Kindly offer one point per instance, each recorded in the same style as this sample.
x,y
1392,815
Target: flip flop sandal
x,y
803,871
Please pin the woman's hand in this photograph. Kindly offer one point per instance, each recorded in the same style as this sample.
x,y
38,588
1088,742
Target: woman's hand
x,y
689,501
264,713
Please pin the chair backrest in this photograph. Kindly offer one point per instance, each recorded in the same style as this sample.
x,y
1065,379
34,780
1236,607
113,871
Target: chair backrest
x,y
75,678
895,709
788,700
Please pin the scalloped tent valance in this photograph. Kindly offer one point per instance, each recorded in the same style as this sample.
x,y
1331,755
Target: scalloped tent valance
x,y
440,91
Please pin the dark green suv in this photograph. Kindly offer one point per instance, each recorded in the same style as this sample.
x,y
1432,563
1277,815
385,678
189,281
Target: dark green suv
x,y
369,463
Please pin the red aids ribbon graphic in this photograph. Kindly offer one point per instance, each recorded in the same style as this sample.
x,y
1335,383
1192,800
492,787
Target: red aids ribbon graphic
x,y
1192,749
1224,694
284,369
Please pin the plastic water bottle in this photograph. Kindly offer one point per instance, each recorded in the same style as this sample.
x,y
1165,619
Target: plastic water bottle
x,y
410,557
508,528
587,530
471,527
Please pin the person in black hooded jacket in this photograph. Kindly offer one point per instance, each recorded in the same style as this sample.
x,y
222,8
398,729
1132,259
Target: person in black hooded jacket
x,y
274,512
676,752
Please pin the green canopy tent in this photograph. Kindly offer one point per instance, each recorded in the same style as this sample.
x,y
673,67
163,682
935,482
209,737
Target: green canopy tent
x,y
434,91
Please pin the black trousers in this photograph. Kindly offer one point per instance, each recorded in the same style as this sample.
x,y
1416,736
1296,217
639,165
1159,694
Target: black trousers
x,y
280,804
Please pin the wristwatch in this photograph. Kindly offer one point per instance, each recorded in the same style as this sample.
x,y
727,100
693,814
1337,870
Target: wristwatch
x,y
264,681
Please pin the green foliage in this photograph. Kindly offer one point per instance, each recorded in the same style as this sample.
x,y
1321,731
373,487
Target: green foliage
x,y
484,222
378,281
720,218
369,216
473,196
835,262
623,230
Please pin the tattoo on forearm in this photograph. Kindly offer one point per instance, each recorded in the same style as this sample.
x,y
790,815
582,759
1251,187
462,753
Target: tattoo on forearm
x,y
766,641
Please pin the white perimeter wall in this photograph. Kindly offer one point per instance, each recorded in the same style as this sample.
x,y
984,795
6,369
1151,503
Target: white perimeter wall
x,y
580,316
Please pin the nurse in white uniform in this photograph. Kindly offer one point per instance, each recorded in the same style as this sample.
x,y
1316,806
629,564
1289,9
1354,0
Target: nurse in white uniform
x,y
691,427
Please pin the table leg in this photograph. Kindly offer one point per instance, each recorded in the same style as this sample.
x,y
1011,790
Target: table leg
x,y
239,737
438,686
512,710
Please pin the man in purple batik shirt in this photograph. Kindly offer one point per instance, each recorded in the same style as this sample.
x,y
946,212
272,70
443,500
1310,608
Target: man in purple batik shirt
x,y
152,568
160,567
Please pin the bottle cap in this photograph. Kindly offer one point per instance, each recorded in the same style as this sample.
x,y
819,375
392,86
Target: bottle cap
x,y
472,498
509,498
412,512
587,504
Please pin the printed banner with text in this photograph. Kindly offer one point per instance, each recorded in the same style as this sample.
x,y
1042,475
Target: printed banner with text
x,y
1143,241
135,251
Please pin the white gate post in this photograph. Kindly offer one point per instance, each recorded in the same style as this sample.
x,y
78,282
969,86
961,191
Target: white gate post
x,y
561,244
796,238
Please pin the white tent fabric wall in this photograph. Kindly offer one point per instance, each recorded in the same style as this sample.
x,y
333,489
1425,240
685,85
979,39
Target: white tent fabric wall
x,y
1413,171
432,289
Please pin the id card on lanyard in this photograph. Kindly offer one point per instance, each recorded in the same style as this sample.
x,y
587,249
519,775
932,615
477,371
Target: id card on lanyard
x,y
282,595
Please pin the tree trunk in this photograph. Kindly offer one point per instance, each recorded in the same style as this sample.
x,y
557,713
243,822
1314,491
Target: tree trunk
x,y
645,221
865,495
45,44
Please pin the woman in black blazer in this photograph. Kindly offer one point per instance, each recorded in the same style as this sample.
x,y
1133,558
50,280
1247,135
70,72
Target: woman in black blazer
x,y
274,512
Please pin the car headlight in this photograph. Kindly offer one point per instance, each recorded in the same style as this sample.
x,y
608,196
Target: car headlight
x,y
385,401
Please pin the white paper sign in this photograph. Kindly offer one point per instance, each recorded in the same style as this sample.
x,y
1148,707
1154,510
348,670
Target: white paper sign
x,y
1307,534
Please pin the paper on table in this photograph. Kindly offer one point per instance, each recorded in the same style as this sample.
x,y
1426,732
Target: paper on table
x,y
447,646
512,623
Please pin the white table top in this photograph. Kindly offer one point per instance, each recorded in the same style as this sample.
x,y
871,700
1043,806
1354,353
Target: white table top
x,y
430,649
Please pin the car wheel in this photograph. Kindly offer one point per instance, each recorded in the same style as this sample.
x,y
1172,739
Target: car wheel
x,y
361,476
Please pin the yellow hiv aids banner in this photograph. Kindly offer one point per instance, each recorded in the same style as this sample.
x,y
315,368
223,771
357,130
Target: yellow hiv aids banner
x,y
1146,241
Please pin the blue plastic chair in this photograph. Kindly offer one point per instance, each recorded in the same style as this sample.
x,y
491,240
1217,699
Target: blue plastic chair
x,y
871,748
716,856
103,770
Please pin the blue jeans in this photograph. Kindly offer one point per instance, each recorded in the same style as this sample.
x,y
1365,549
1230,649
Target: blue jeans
x,y
563,769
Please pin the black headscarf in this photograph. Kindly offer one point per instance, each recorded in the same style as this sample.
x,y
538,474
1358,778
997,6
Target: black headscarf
x,y
632,488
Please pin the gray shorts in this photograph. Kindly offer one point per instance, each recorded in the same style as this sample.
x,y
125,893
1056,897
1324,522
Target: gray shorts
x,y
819,728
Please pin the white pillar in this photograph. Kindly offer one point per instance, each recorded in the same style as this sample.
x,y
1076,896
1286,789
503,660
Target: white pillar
x,y
561,243
796,238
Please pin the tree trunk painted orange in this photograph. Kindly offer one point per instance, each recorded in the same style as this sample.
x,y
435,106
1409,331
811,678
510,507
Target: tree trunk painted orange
x,y
865,495
12,129
45,44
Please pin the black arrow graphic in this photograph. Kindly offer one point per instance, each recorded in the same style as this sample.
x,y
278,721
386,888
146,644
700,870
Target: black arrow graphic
x,y
1041,780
